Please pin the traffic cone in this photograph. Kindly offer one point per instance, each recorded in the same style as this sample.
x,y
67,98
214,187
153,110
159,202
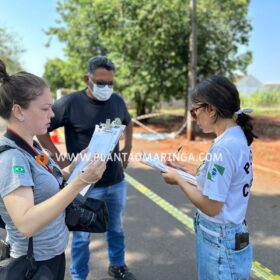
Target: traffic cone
x,y
54,137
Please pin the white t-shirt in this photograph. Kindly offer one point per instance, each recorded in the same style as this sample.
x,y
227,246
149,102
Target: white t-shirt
x,y
226,175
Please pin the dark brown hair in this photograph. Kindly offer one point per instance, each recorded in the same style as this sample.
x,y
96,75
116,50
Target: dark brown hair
x,y
221,93
20,88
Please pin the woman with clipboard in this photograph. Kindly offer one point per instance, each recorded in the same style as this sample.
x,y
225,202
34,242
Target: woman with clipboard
x,y
223,250
31,202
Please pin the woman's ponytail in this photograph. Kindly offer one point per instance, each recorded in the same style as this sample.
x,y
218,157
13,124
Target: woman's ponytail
x,y
245,122
20,88
4,77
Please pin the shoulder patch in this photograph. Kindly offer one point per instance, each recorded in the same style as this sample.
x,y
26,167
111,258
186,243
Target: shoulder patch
x,y
216,169
220,169
18,169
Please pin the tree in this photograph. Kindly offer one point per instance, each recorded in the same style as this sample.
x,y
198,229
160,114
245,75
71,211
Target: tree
x,y
61,74
10,50
148,41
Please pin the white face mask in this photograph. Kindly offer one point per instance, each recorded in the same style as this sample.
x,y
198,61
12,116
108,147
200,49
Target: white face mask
x,y
101,93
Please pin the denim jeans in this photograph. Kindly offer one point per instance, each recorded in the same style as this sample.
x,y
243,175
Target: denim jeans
x,y
115,198
216,254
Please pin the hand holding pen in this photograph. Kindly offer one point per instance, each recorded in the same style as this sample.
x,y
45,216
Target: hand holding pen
x,y
93,170
171,164
77,160
171,176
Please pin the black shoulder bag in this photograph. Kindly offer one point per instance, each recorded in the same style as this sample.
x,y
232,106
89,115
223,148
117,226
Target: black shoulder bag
x,y
24,267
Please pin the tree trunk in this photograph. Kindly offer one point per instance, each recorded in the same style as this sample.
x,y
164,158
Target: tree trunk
x,y
140,104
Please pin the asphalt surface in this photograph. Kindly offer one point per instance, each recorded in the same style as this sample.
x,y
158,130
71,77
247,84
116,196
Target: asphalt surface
x,y
160,247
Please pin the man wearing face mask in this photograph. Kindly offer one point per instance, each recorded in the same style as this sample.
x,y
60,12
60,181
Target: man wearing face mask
x,y
78,113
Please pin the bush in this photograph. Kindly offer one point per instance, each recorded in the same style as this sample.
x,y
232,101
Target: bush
x,y
261,99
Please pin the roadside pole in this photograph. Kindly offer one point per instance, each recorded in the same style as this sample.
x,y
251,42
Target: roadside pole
x,y
192,68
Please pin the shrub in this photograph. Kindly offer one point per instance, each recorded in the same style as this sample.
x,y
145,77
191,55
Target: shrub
x,y
260,99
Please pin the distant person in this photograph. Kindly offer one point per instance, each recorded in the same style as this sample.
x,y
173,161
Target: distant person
x,y
31,202
223,249
78,113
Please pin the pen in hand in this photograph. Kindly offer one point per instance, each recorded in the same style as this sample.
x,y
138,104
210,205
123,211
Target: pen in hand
x,y
169,163
178,150
91,162
175,154
96,157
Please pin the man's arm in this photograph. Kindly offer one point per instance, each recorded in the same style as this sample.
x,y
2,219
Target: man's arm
x,y
46,142
125,152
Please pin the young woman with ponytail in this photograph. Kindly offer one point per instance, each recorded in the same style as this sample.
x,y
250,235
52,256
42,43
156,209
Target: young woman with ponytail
x,y
223,248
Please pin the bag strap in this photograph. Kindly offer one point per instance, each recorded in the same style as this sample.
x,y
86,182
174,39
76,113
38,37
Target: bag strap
x,y
30,257
20,142
4,148
30,248
26,147
30,254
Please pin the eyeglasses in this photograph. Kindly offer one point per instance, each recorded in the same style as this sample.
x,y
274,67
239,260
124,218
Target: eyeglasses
x,y
102,84
193,111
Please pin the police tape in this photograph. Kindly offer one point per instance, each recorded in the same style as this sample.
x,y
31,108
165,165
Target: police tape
x,y
153,115
171,134
148,116
260,271
144,126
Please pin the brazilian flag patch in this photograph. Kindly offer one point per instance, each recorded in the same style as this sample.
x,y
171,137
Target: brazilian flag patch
x,y
220,169
18,169
217,169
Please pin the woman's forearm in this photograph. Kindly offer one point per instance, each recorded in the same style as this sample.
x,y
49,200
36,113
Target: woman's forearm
x,y
40,215
30,218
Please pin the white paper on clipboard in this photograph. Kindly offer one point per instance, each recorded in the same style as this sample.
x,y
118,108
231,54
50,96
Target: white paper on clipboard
x,y
103,141
155,162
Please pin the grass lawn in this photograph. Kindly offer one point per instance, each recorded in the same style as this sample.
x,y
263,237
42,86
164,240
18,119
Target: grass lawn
x,y
273,112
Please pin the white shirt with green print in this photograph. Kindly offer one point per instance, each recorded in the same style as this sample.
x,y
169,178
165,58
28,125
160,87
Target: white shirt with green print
x,y
226,175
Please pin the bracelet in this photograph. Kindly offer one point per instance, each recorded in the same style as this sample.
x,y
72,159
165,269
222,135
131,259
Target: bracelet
x,y
85,181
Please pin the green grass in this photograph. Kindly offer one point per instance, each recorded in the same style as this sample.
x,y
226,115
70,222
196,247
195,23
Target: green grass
x,y
273,112
132,112
179,111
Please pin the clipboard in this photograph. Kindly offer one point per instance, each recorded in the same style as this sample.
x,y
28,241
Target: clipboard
x,y
156,163
103,141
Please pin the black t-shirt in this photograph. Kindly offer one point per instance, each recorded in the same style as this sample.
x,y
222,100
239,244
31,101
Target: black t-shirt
x,y
79,114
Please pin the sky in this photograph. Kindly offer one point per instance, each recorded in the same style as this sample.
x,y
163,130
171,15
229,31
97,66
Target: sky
x,y
29,18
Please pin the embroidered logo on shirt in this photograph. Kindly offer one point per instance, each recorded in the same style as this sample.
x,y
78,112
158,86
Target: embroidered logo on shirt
x,y
217,169
18,169
199,168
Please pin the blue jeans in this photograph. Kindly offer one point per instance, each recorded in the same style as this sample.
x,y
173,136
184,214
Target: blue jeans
x,y
115,198
216,254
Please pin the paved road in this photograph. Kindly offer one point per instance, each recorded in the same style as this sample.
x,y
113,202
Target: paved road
x,y
160,247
